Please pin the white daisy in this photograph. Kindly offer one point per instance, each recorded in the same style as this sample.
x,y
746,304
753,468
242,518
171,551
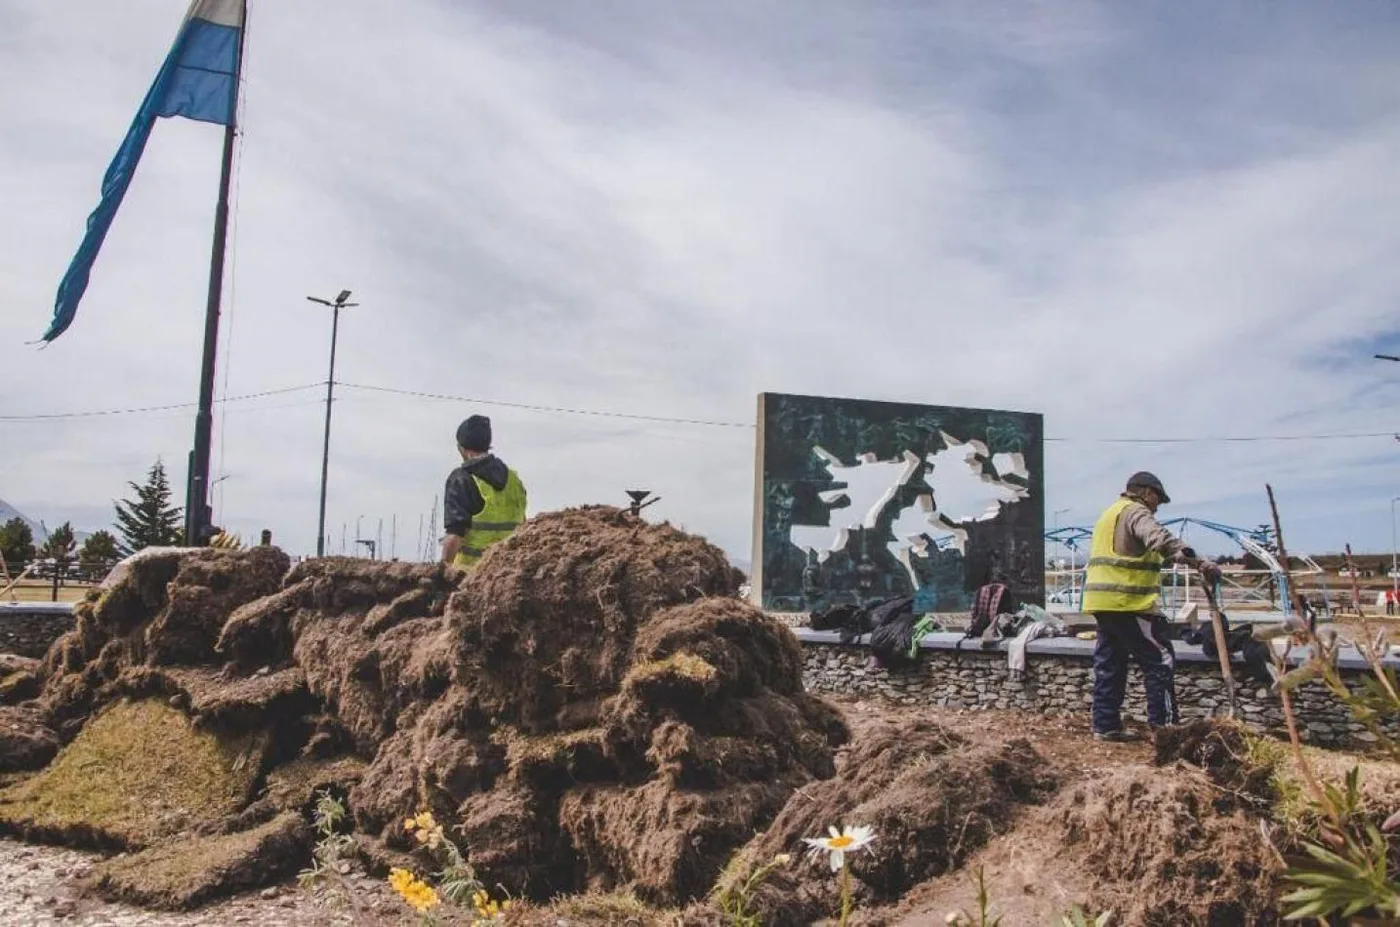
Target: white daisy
x,y
840,843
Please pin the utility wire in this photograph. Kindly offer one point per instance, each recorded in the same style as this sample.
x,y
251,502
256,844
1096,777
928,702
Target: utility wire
x,y
672,420
724,424
166,408
538,408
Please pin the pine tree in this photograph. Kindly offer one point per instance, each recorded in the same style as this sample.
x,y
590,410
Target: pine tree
x,y
16,543
98,553
149,520
60,545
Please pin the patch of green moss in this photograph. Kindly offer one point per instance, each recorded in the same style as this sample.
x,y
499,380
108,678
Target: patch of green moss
x,y
685,665
186,873
137,772
610,908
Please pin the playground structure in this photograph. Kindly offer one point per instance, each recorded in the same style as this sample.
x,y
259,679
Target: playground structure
x,y
1263,593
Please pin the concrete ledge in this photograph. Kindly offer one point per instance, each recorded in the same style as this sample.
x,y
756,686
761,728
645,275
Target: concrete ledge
x,y
36,608
1348,659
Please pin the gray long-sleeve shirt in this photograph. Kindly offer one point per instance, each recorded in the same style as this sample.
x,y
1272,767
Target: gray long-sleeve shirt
x,y
1138,531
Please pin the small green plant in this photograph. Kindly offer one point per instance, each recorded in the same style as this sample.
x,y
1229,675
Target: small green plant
x,y
1078,917
734,900
983,917
332,850
1345,868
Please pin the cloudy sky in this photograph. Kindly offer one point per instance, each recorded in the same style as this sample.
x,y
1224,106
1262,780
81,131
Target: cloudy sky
x,y
1170,220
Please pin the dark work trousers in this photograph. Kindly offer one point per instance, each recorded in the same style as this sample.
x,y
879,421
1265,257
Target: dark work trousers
x,y
1125,636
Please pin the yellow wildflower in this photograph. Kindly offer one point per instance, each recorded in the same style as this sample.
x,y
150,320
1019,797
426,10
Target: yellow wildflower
x,y
425,829
417,893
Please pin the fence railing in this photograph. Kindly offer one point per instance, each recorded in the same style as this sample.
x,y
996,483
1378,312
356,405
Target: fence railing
x,y
55,572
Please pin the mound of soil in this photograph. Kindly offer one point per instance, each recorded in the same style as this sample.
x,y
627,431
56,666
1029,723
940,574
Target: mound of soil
x,y
931,798
549,618
366,636
160,607
138,773
1164,853
590,707
1221,748
181,875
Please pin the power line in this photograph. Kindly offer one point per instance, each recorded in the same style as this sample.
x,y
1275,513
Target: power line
x,y
1245,439
539,408
674,420
165,408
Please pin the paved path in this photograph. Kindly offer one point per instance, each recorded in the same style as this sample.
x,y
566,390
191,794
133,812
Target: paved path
x,y
36,888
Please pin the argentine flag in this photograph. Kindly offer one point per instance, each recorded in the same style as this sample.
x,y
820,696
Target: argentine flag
x,y
199,80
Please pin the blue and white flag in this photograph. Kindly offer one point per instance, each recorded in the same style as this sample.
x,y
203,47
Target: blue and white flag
x,y
199,80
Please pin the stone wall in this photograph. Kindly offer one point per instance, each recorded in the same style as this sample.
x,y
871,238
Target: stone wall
x,y
29,632
1058,685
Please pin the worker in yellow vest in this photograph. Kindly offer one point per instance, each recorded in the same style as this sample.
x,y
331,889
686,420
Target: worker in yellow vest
x,y
1121,588
484,501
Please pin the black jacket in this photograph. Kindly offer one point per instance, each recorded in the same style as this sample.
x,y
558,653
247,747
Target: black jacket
x,y
462,499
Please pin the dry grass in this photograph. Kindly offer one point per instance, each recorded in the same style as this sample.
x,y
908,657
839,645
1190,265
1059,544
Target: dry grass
x,y
683,665
40,591
137,772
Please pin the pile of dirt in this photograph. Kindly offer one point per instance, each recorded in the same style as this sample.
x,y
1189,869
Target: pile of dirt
x,y
546,626
931,798
591,708
188,873
160,607
1164,852
1224,750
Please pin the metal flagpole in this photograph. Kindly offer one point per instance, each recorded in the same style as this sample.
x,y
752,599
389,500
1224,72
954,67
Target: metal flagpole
x,y
197,513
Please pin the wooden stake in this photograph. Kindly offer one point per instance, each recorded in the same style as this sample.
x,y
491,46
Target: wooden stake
x,y
1222,650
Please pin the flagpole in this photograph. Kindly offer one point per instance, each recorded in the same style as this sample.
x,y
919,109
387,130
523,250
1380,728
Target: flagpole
x,y
197,513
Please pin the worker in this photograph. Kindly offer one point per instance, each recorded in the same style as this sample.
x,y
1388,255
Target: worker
x,y
1121,588
484,501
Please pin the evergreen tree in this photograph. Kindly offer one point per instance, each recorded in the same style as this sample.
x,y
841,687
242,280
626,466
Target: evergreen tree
x,y
16,543
60,546
98,553
149,520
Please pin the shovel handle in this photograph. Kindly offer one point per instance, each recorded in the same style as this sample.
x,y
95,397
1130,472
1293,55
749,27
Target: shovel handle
x,y
1221,648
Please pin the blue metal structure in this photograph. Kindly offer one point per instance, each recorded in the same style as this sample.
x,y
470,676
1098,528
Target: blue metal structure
x,y
1258,542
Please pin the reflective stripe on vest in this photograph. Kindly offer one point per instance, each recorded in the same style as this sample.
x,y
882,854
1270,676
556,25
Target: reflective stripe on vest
x,y
502,512
1113,582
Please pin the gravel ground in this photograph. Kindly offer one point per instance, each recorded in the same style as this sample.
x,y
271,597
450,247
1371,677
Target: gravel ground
x,y
37,887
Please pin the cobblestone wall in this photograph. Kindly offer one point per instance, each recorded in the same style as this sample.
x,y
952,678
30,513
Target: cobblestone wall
x,y
1063,685
29,634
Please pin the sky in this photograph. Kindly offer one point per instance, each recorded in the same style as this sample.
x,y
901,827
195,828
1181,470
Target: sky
x,y
1158,220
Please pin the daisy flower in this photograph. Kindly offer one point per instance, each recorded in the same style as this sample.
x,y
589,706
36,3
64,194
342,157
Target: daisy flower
x,y
839,843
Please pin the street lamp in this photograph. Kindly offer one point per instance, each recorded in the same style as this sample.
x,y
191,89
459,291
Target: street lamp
x,y
336,305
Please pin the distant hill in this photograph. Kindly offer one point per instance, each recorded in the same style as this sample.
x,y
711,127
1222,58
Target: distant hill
x,y
41,534
8,512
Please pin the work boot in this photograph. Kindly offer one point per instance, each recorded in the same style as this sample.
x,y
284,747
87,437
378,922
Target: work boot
x,y
1116,737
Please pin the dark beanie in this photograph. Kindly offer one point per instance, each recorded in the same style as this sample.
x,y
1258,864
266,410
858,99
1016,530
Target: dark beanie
x,y
475,434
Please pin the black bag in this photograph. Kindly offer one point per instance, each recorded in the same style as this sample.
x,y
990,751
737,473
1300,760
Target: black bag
x,y
893,632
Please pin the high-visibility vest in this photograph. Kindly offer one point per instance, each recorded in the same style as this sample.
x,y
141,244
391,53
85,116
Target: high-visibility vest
x,y
502,514
1113,582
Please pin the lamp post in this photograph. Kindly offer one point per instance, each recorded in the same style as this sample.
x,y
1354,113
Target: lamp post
x,y
336,305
